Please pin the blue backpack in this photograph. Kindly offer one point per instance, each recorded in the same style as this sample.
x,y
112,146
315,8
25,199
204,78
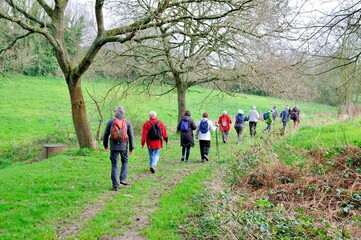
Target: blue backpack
x,y
265,115
203,126
184,125
239,118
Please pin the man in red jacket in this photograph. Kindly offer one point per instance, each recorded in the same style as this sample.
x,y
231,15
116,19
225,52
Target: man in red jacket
x,y
224,123
153,134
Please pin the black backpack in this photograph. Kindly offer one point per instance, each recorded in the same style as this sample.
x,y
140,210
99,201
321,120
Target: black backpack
x,y
154,132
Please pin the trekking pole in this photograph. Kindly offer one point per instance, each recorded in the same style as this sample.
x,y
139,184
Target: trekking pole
x,y
217,142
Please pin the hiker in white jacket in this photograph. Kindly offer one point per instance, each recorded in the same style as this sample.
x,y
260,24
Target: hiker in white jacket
x,y
203,134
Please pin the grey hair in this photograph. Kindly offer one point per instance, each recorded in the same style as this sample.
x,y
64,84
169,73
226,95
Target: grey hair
x,y
224,112
152,114
119,109
253,107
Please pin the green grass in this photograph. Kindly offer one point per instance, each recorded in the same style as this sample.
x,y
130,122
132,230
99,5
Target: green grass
x,y
42,199
36,110
176,207
337,134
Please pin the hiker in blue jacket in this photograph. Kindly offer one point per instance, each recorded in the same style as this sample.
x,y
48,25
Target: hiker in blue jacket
x,y
186,126
285,115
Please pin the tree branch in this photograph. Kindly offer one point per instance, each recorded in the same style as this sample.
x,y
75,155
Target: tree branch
x,y
14,41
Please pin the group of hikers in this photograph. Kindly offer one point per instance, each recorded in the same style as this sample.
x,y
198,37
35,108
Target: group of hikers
x,y
119,133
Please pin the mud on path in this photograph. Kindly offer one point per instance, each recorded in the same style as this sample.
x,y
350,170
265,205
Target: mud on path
x,y
141,212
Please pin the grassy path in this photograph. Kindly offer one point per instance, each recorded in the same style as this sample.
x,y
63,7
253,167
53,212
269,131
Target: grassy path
x,y
166,177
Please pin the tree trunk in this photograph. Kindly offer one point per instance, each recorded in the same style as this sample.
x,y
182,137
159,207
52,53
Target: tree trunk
x,y
181,96
80,119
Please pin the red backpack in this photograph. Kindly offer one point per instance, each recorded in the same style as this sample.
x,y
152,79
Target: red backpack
x,y
119,130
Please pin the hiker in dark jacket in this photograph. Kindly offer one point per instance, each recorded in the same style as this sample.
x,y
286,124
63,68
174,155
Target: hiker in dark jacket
x,y
119,148
239,125
186,126
295,116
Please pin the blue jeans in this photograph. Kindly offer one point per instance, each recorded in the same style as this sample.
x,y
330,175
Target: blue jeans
x,y
153,156
114,158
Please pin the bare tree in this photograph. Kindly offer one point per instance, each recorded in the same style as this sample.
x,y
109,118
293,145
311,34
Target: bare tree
x,y
200,50
327,35
138,16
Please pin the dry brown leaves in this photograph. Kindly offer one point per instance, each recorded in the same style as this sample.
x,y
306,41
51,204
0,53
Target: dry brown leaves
x,y
319,194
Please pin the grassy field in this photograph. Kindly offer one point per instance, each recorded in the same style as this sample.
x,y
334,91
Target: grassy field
x,y
68,196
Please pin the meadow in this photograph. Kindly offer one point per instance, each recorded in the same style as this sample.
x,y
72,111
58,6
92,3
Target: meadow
x,y
68,196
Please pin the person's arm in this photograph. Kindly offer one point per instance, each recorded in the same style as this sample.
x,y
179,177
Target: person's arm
x,y
130,133
211,127
144,133
193,125
178,126
164,132
106,134
197,130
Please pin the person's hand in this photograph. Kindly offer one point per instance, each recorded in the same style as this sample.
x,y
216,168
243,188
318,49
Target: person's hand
x,y
130,151
106,149
142,146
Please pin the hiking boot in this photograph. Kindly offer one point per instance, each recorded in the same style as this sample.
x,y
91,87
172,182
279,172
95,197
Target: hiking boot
x,y
152,169
124,183
182,159
115,189
187,161
206,157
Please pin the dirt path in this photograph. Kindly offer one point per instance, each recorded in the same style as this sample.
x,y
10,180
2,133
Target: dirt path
x,y
71,230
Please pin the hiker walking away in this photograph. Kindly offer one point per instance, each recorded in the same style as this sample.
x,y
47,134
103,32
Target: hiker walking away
x,y
121,135
186,126
274,114
203,134
239,124
284,118
224,123
153,134
295,116
253,117
268,119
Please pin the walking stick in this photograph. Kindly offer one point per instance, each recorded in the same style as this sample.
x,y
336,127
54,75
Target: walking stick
x,y
217,142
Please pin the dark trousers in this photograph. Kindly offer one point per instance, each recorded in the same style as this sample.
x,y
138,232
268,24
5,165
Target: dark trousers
x,y
114,158
239,134
186,151
268,128
252,128
204,146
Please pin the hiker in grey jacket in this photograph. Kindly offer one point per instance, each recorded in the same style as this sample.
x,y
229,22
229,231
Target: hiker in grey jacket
x,y
253,117
186,135
274,114
119,148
